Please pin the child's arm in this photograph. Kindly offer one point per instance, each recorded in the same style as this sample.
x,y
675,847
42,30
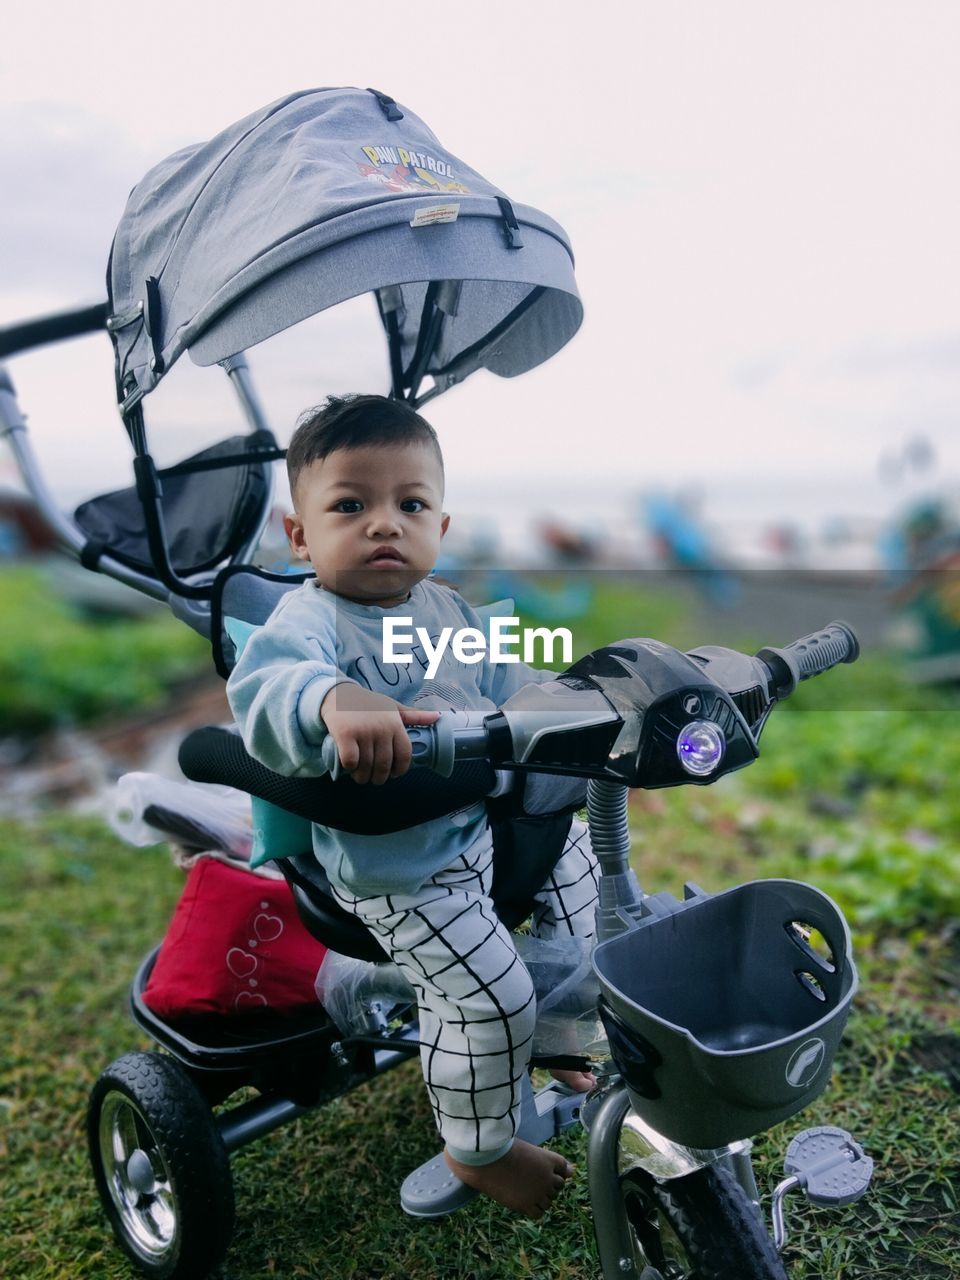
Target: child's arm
x,y
275,691
287,693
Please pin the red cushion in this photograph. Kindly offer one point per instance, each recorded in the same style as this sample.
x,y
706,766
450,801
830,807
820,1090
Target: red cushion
x,y
235,945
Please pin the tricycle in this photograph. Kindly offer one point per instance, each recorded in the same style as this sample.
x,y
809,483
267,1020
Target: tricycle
x,y
713,1016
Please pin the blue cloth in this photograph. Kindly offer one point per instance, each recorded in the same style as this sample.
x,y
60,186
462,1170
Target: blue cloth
x,y
315,640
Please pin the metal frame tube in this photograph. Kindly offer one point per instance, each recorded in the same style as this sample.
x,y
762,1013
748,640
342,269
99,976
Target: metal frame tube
x,y
13,429
740,1165
615,1244
254,1119
238,371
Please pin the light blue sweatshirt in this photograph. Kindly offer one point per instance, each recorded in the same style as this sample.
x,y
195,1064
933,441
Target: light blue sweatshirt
x,y
314,640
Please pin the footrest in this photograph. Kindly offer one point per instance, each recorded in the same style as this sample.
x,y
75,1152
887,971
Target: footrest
x,y
432,1191
831,1167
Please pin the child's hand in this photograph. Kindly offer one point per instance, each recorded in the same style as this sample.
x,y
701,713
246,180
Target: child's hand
x,y
368,729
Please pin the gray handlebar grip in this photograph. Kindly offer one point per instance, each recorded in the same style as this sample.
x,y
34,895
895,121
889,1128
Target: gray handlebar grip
x,y
809,656
430,746
821,650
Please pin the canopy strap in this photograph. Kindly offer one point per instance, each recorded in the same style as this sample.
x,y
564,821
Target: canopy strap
x,y
274,454
121,321
387,105
471,358
157,364
442,299
390,302
510,224
431,320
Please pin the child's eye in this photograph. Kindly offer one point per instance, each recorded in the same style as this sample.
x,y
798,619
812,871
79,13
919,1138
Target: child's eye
x,y
349,506
412,505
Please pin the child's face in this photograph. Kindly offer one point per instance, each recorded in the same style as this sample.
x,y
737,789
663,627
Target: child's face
x,y
369,520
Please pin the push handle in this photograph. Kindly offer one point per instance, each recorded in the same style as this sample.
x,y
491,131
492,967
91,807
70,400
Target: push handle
x,y
835,643
53,328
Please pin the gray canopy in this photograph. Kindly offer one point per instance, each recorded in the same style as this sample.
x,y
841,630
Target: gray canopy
x,y
319,197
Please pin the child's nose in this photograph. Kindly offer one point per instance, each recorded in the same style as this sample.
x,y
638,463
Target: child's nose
x,y
383,523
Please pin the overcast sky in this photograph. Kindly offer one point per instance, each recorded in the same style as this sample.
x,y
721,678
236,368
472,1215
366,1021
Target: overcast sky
x,y
762,197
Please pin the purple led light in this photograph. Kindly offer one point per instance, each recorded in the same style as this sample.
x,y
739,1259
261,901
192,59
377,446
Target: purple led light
x,y
700,747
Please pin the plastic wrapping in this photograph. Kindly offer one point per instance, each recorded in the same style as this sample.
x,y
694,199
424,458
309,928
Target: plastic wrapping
x,y
145,809
360,995
567,991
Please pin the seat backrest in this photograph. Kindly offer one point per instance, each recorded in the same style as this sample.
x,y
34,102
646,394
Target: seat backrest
x,y
248,595
212,504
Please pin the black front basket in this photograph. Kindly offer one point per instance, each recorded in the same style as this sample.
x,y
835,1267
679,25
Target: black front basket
x,y
721,1015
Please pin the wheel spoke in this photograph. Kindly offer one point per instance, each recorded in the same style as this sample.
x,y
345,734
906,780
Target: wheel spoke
x,y
675,1258
124,1132
165,1211
658,1244
145,1139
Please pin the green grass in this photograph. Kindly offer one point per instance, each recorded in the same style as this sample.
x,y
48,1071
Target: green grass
x,y
862,803
898,1069
318,1198
58,667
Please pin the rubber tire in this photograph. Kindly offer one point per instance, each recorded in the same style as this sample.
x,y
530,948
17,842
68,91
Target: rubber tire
x,y
184,1134
720,1230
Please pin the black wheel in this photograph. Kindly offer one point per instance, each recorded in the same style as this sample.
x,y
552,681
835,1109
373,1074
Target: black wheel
x,y
160,1167
701,1227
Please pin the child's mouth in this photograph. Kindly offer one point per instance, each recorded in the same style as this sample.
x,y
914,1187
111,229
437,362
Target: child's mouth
x,y
385,558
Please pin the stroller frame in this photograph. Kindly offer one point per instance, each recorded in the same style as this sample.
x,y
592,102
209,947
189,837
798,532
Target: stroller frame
x,y
184,599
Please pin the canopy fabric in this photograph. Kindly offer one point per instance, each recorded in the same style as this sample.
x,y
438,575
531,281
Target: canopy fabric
x,y
317,198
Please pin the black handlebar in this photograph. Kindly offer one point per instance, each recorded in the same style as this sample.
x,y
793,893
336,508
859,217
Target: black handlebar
x,y
64,324
810,656
621,715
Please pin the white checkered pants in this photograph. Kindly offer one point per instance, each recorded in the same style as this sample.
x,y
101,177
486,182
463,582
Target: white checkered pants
x,y
476,1000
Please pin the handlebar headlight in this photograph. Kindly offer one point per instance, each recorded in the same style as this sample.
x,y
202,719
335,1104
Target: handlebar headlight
x,y
700,747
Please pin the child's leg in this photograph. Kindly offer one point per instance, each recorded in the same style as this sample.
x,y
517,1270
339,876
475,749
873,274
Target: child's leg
x,y
566,906
477,1014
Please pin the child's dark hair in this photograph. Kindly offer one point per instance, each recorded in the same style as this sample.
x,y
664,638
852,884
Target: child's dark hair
x,y
351,421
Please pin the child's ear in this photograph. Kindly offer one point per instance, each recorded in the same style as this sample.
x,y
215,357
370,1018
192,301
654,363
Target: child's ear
x,y
444,524
293,528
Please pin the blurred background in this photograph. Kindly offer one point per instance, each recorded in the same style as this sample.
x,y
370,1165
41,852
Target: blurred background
x,y
763,213
762,399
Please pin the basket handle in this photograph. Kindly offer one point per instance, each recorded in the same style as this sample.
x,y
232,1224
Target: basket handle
x,y
829,974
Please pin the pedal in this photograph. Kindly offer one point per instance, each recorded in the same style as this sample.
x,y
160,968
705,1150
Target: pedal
x,y
831,1167
828,1165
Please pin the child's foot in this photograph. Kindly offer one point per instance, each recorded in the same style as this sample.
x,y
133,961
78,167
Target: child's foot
x,y
527,1179
578,1081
